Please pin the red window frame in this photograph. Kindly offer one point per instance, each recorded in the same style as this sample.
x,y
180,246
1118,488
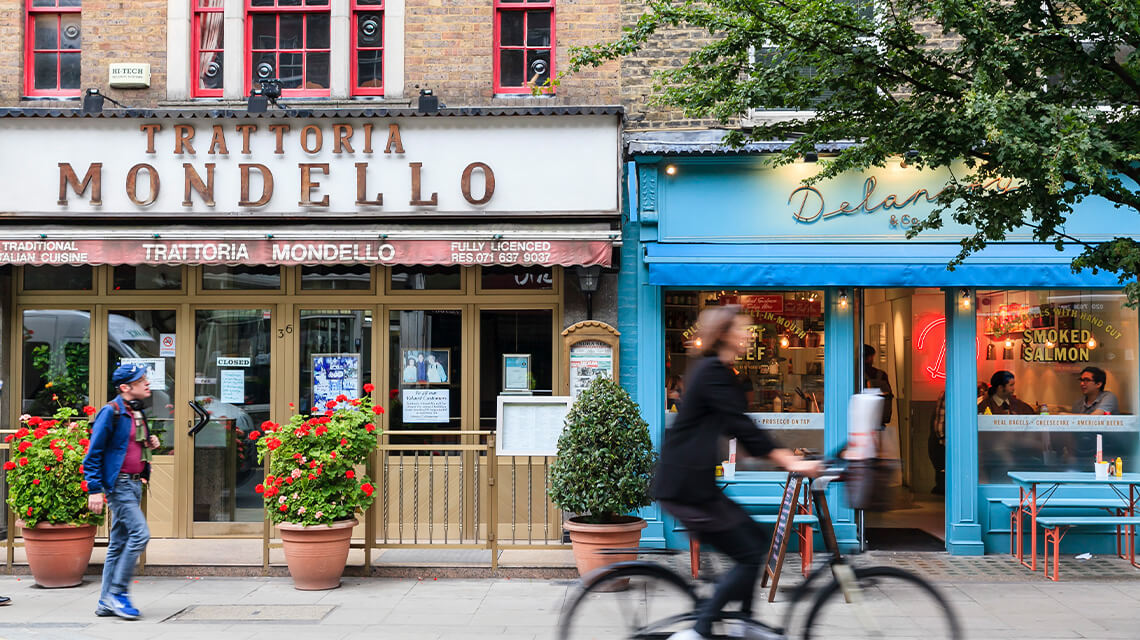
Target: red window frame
x,y
359,9
30,50
204,12
505,6
278,8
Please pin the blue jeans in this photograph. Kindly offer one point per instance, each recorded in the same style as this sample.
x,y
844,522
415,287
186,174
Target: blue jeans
x,y
129,535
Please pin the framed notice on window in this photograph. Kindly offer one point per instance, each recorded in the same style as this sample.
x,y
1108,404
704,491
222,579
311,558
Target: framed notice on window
x,y
335,374
530,426
516,372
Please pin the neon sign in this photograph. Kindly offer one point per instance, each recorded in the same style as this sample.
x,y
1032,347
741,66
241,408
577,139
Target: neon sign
x,y
807,213
936,369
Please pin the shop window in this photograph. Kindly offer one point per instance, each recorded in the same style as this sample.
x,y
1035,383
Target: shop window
x,y
222,278
517,278
521,334
147,338
147,278
1041,358
781,371
66,278
524,44
289,40
355,277
426,374
368,47
207,56
57,360
336,355
52,48
427,278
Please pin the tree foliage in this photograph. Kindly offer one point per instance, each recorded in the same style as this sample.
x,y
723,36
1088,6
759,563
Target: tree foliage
x,y
605,457
1043,92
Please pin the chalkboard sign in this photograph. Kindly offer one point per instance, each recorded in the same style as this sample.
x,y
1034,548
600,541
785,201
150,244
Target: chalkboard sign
x,y
780,535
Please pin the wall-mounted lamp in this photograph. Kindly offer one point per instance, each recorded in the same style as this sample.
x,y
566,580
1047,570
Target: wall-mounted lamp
x,y
1008,343
811,156
588,279
428,102
964,299
261,97
908,158
93,102
843,298
670,169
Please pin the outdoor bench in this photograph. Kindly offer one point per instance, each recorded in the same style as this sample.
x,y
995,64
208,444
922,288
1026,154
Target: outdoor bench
x,y
1056,526
1118,505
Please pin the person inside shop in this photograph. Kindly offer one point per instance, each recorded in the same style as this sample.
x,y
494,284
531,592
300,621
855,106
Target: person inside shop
x,y
684,482
1094,399
875,378
999,398
674,387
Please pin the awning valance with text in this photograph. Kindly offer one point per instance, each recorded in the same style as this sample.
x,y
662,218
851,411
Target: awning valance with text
x,y
524,245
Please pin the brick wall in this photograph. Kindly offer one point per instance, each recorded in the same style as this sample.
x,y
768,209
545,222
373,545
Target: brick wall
x,y
112,31
448,47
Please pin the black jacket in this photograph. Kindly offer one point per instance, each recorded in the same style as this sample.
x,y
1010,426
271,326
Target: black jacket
x,y
713,404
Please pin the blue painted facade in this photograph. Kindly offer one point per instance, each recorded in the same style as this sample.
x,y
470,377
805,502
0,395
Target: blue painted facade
x,y
734,222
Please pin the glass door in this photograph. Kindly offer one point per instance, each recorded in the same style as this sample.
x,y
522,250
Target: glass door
x,y
232,382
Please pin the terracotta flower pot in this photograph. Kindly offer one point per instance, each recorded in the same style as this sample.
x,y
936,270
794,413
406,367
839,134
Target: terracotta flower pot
x,y
316,554
58,554
589,539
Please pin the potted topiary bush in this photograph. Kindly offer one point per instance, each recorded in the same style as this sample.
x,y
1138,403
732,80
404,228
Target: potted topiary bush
x,y
605,461
314,490
47,492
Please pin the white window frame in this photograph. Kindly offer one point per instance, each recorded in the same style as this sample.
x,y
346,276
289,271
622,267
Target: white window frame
x,y
178,46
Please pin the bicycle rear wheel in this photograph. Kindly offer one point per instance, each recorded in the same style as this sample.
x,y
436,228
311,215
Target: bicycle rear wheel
x,y
886,603
631,600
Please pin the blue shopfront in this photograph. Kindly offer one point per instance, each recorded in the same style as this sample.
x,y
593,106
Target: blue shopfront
x,y
842,301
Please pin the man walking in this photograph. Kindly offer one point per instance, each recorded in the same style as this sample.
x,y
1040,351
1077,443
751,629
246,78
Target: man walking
x,y
115,468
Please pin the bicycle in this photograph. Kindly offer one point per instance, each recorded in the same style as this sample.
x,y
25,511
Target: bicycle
x,y
857,602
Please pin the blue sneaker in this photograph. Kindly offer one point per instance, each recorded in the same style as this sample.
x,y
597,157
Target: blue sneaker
x,y
102,610
122,607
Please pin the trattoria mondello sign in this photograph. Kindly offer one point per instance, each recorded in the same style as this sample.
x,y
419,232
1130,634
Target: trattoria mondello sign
x,y
357,168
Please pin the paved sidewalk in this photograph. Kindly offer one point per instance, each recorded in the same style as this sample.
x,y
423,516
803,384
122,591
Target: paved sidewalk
x,y
1002,602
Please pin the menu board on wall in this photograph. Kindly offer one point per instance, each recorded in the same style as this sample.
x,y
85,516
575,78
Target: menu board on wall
x,y
335,374
588,360
530,426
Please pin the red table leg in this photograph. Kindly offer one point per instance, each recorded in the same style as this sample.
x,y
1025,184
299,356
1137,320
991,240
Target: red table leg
x,y
1031,507
694,556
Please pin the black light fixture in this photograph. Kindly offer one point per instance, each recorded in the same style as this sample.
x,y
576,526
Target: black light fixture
x,y
260,98
908,158
588,279
843,298
964,298
811,156
93,102
428,102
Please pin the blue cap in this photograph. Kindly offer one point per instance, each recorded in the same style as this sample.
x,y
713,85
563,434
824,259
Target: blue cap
x,y
127,373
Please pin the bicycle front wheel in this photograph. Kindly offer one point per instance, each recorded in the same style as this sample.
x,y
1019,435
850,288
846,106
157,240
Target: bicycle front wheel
x,y
881,602
631,600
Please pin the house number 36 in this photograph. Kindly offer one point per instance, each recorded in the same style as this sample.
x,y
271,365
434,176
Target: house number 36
x,y
286,329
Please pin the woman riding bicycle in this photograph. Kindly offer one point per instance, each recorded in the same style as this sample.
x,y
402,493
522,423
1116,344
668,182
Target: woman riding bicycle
x,y
685,480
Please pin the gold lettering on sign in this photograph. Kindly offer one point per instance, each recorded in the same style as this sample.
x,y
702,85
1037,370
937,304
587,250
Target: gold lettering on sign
x,y
193,182
280,130
218,142
132,184
308,186
183,136
343,138
394,141
416,200
367,137
362,187
245,130
319,138
266,185
150,130
93,178
488,183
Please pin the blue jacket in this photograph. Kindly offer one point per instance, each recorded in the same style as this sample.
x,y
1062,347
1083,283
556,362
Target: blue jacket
x,y
108,447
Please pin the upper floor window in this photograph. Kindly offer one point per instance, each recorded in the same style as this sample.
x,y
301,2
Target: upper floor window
x,y
52,48
524,44
207,57
289,40
368,47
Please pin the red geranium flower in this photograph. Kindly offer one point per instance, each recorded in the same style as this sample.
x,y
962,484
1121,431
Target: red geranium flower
x,y
340,398
40,433
24,446
283,507
9,465
35,480
259,489
369,427
88,409
343,442
254,435
368,387
350,474
23,461
29,511
367,488
83,485
84,442
312,477
23,431
378,410
33,421
331,404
